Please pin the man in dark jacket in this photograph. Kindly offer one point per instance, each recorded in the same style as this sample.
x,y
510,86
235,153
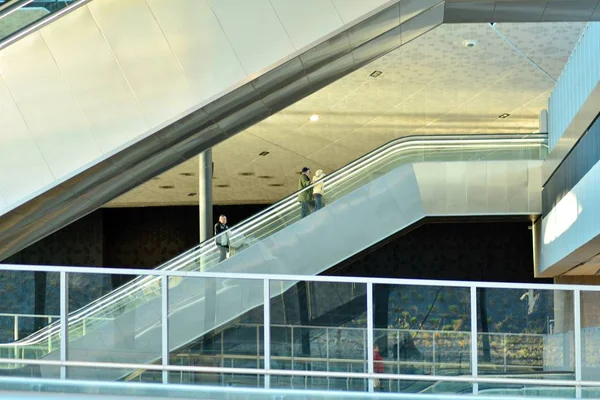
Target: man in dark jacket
x,y
222,237
305,197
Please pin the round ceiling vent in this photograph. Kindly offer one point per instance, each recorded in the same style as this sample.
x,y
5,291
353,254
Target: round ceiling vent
x,y
469,44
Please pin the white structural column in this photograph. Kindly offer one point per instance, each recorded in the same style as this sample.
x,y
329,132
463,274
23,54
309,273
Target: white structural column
x,y
64,322
267,330
164,289
205,194
370,327
474,360
577,340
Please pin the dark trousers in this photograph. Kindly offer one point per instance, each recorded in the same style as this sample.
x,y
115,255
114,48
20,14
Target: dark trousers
x,y
305,210
318,201
222,252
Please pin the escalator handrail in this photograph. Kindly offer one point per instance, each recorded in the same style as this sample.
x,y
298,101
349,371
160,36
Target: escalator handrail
x,y
11,7
209,244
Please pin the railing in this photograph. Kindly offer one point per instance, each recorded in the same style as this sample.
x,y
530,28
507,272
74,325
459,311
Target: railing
x,y
21,17
501,342
570,311
284,213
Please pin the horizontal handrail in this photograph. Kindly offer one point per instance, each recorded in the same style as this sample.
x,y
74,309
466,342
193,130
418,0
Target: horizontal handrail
x,y
299,278
303,373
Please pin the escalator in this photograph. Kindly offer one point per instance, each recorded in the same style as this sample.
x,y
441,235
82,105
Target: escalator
x,y
161,93
366,201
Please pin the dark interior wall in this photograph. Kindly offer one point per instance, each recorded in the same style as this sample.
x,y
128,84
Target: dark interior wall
x,y
471,251
78,244
126,237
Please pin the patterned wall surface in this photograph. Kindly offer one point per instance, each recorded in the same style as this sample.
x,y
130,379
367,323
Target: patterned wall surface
x,y
78,244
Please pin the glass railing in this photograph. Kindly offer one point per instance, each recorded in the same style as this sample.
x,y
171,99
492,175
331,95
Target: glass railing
x,y
205,256
18,17
385,334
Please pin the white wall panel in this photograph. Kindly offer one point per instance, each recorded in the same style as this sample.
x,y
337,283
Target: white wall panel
x,y
94,77
308,20
350,10
477,198
254,30
3,203
478,187
52,114
535,186
200,45
22,167
456,187
518,195
145,57
497,184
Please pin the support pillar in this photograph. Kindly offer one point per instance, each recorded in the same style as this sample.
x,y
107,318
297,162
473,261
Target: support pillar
x,y
205,174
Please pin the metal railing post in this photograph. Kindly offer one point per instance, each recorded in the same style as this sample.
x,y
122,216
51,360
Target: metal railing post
x,y
267,330
433,354
327,352
164,288
16,328
64,319
398,351
370,366
474,366
577,333
504,346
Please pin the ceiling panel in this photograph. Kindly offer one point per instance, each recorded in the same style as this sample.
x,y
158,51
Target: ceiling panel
x,y
432,85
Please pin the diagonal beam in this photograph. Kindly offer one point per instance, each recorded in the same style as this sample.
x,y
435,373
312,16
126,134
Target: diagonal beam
x,y
205,127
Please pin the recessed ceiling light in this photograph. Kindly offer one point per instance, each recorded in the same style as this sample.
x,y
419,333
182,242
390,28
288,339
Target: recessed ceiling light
x,y
314,118
265,177
167,187
504,116
375,74
192,194
263,153
276,184
470,43
246,173
186,174
222,186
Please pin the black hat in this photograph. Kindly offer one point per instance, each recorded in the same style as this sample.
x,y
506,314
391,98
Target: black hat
x,y
305,169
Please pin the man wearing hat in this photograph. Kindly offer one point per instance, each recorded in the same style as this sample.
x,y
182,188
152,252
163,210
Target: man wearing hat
x,y
305,197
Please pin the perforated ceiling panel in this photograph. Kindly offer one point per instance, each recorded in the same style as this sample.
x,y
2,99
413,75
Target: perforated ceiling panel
x,y
433,85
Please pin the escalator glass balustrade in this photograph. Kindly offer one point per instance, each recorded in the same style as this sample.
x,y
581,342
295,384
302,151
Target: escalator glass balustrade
x,y
188,296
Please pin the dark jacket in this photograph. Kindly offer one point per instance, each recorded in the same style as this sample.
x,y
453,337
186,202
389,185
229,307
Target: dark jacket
x,y
306,195
222,240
